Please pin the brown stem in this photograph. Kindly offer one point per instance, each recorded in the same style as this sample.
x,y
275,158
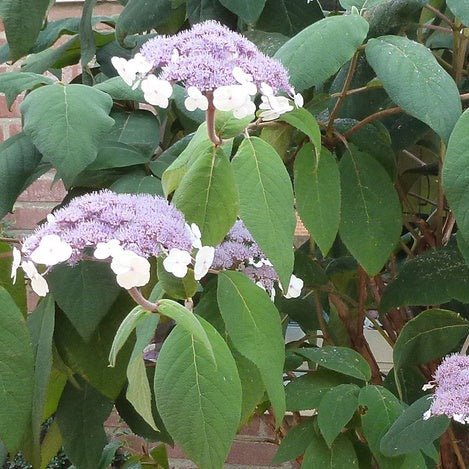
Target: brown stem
x,y
137,296
10,240
322,323
210,118
343,95
464,97
438,13
440,209
436,28
465,346
371,118
362,89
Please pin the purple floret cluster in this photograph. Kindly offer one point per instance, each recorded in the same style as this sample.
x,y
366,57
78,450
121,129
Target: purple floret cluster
x,y
205,56
144,224
451,381
239,251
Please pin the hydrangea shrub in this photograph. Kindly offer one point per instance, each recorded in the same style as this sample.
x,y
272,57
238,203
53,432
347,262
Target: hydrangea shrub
x,y
194,139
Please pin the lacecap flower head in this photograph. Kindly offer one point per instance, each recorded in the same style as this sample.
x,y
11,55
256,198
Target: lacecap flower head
x,y
451,394
215,65
123,229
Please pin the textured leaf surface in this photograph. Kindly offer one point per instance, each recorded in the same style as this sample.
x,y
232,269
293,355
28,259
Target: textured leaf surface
x,y
266,202
410,432
247,10
84,292
14,83
63,136
81,415
117,88
295,443
460,8
341,359
204,393
416,82
16,373
208,197
370,223
253,324
307,64
435,277
432,334
317,190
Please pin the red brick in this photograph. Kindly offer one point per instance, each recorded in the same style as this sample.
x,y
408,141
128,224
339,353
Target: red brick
x,y
5,112
44,190
28,215
13,127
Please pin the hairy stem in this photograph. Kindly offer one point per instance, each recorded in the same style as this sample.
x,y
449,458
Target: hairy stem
x,y
371,118
440,15
210,118
137,296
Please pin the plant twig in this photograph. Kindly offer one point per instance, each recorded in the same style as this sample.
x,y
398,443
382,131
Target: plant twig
x,y
210,118
137,296
377,115
440,15
454,445
322,323
465,346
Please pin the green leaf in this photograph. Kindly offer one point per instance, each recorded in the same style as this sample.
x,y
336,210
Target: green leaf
x,y
87,42
341,455
307,64
432,334
205,394
382,409
23,20
81,415
456,174
459,8
126,328
160,164
208,197
41,327
62,135
341,359
287,17
306,392
267,43
187,320
416,82
51,444
137,182
317,191
19,160
227,126
91,359
177,288
348,4
138,390
295,443
108,454
84,292
410,432
248,10
118,89
336,409
18,290
14,83
253,324
304,121
370,224
201,10
16,373
141,15
434,277
266,202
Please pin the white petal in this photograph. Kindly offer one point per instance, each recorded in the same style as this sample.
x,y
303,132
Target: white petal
x,y
16,263
50,218
427,415
123,69
176,262
108,249
141,65
138,274
156,91
51,251
294,288
29,269
121,263
298,100
39,285
203,261
249,108
266,89
428,386
227,98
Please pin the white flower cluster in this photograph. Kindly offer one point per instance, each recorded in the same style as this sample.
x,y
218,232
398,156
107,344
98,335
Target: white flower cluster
x,y
131,269
236,98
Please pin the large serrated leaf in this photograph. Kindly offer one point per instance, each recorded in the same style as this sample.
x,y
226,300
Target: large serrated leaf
x,y
208,196
23,20
253,324
370,224
307,63
81,415
16,373
266,202
62,134
432,334
416,82
84,292
19,159
317,191
435,277
205,394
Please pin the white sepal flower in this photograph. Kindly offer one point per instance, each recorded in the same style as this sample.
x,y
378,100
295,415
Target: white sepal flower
x,y
230,97
298,100
247,109
273,107
131,269
245,80
272,295
203,261
132,71
38,282
294,288
266,90
195,100
176,262
51,251
428,386
108,249
16,263
156,92
195,234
